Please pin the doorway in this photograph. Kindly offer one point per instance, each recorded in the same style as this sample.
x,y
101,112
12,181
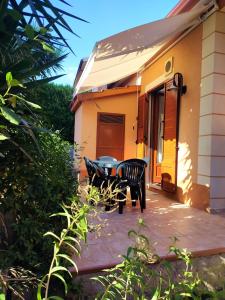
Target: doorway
x,y
164,136
110,135
157,102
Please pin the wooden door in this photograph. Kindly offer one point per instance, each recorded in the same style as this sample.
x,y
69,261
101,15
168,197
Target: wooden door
x,y
171,126
110,135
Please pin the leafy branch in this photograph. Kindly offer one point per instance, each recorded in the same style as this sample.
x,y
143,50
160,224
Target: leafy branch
x,y
66,243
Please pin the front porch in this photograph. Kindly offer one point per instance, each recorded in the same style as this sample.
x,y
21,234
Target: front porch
x,y
201,233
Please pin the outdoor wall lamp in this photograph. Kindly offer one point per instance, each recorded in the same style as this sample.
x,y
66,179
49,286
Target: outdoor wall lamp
x,y
178,84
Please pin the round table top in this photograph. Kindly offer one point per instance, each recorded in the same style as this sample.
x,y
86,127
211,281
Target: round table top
x,y
107,163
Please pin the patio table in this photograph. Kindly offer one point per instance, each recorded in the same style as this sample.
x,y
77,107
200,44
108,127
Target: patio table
x,y
110,164
107,164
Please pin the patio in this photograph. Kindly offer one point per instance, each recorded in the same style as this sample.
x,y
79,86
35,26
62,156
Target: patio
x,y
201,233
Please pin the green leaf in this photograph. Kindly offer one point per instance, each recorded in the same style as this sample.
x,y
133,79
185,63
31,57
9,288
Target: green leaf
x,y
9,78
156,294
55,298
59,268
32,84
72,247
2,296
47,47
3,137
15,82
49,233
40,285
14,14
43,30
2,99
33,105
62,279
30,32
12,100
70,238
10,115
129,251
66,257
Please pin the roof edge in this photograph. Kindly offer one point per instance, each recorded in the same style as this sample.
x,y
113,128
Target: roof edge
x,y
182,6
78,99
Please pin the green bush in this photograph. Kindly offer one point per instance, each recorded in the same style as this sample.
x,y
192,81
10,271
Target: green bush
x,y
54,100
32,190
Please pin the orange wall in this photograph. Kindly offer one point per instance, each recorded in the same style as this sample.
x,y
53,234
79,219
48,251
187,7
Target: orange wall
x,y
187,60
122,104
77,125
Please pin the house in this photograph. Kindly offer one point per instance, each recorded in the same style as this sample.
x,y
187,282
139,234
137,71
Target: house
x,y
158,91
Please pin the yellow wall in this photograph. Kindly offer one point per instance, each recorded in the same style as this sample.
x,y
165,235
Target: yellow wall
x,y
187,60
78,125
122,104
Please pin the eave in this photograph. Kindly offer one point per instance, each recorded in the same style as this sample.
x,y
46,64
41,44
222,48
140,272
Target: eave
x,y
90,96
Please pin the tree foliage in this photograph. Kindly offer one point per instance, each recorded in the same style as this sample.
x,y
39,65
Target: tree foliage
x,y
35,167
54,100
31,190
30,53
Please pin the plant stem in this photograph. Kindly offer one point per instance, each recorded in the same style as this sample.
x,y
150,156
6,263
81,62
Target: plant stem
x,y
55,254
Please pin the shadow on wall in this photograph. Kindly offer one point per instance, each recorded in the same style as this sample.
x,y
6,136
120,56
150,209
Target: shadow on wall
x,y
189,192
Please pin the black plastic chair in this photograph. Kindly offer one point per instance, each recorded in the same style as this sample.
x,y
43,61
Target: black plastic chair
x,y
96,174
131,173
99,179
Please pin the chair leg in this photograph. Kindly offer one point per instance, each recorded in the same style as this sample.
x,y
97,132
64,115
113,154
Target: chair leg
x,y
107,208
140,196
143,193
121,204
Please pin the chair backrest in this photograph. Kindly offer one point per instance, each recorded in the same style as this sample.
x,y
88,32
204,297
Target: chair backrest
x,y
107,158
93,169
131,170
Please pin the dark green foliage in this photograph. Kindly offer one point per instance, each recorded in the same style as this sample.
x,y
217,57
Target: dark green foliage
x,y
30,192
54,100
43,13
35,168
29,59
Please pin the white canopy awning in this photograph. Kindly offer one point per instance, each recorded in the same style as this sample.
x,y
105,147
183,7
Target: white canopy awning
x,y
123,54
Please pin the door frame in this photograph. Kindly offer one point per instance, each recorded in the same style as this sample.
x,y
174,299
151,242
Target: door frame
x,y
150,124
98,124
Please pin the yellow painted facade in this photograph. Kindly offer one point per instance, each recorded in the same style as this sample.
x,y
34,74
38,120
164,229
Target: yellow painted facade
x,y
186,55
121,104
200,58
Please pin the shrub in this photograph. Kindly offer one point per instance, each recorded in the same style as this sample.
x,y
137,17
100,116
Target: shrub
x,y
54,100
31,190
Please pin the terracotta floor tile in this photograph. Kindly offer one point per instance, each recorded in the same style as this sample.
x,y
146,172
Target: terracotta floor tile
x,y
195,229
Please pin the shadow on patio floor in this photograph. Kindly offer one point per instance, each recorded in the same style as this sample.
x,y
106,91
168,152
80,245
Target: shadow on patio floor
x,y
201,233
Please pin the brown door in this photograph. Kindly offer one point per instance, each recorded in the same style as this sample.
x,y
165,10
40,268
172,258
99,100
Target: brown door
x,y
110,135
157,134
169,163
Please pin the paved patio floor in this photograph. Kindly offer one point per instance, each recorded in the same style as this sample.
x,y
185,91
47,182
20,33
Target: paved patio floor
x,y
201,233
